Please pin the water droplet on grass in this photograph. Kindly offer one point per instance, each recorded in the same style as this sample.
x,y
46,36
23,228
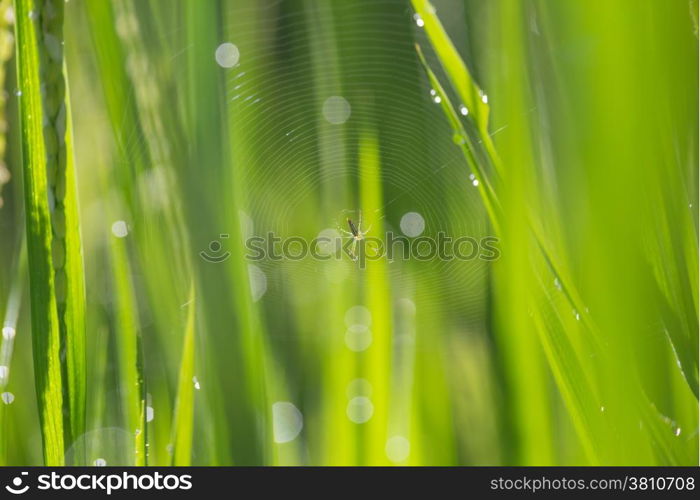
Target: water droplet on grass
x,y
287,421
336,110
8,332
227,55
150,414
419,20
7,398
100,462
196,383
120,229
412,224
463,110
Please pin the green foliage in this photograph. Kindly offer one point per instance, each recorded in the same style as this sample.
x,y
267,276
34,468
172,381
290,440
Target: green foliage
x,y
568,130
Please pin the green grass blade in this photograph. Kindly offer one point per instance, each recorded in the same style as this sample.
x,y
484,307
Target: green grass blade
x,y
72,312
40,146
469,92
127,339
466,145
184,406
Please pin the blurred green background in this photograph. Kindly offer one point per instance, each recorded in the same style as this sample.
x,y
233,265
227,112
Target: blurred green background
x,y
196,119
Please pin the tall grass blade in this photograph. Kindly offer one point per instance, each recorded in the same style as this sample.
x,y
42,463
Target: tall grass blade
x,y
53,239
127,339
183,422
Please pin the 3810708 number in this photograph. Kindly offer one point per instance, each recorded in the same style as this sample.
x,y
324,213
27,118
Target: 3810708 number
x,y
661,483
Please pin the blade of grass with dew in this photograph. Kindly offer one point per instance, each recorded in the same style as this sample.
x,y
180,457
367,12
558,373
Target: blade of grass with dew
x,y
39,63
459,76
466,145
183,420
456,72
66,247
467,89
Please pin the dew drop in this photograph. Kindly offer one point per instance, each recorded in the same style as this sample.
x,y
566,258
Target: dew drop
x,y
4,373
336,110
8,333
150,414
484,98
437,99
227,55
18,93
419,20
195,381
7,398
475,182
463,110
677,432
412,224
100,462
287,421
120,229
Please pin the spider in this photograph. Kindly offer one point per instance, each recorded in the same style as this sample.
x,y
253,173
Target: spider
x,y
356,233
